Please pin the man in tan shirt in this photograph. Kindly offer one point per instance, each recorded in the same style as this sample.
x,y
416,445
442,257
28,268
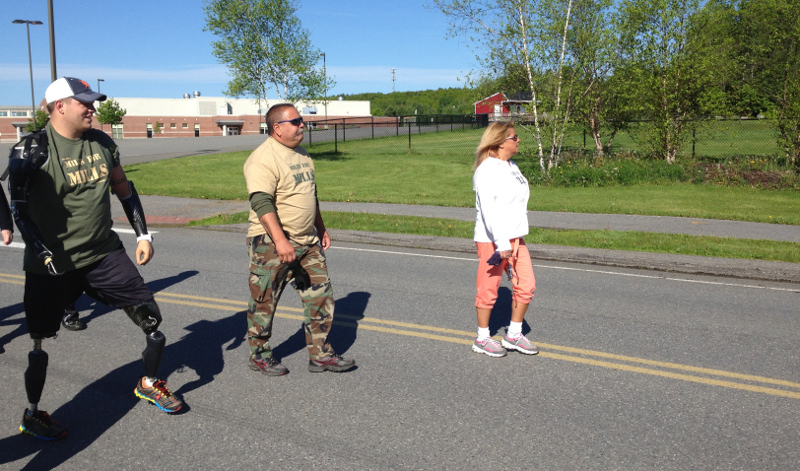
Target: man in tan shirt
x,y
286,241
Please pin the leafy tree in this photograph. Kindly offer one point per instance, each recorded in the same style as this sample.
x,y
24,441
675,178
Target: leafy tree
x,y
37,122
265,47
670,73
444,101
605,105
109,112
769,62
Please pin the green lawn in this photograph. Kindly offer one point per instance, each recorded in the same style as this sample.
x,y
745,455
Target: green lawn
x,y
441,175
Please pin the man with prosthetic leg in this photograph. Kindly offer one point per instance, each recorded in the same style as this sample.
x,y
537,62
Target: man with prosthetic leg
x,y
59,182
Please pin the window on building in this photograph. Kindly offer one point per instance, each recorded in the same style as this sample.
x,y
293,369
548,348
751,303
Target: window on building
x,y
116,131
173,125
3,113
19,113
185,126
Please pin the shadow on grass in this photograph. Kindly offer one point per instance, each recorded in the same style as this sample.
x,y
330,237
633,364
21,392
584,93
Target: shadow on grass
x,y
329,156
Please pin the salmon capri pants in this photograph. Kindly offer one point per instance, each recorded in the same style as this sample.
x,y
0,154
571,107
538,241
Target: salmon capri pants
x,y
489,276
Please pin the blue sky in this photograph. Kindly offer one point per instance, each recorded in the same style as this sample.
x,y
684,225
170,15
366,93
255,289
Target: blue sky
x,y
159,49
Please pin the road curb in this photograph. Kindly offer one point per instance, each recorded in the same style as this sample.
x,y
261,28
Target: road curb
x,y
671,263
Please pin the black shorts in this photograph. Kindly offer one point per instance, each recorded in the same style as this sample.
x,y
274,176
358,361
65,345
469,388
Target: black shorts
x,y
114,281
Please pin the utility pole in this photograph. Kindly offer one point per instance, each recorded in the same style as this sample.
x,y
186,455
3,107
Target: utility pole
x,y
28,24
53,75
393,71
325,78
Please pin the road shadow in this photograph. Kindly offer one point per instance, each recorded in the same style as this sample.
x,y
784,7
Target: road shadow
x,y
20,329
344,331
201,350
91,309
501,314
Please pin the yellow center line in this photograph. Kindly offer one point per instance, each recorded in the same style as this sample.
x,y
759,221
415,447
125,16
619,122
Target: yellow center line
x,y
433,333
462,337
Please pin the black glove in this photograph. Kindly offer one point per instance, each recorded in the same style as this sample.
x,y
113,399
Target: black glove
x,y
495,259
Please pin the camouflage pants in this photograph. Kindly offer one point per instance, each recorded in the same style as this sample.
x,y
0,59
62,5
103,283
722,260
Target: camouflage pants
x,y
267,281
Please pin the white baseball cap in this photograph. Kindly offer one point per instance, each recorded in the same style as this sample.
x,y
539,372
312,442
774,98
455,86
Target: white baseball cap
x,y
70,87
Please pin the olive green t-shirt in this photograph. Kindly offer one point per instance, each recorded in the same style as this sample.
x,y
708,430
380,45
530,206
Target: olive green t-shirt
x,y
288,175
70,202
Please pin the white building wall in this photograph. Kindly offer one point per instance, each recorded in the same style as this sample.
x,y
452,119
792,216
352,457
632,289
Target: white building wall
x,y
217,106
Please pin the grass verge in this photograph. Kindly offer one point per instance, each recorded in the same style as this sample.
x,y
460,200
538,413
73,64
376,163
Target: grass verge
x,y
723,247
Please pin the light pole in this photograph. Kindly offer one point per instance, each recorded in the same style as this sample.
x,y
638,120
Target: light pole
x,y
28,24
325,84
50,22
98,84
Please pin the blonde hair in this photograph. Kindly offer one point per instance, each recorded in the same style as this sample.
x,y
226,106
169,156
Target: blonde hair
x,y
492,138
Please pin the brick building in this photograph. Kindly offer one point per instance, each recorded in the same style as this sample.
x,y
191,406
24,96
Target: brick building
x,y
193,115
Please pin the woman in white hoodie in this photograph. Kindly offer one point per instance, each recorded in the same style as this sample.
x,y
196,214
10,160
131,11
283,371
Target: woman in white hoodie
x,y
501,200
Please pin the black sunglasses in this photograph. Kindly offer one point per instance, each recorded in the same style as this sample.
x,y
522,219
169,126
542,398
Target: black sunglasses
x,y
295,122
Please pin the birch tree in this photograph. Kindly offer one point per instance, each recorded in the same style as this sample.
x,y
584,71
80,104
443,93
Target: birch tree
x,y
533,34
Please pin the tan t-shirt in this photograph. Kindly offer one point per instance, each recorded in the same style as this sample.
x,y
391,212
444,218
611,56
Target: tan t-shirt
x,y
288,175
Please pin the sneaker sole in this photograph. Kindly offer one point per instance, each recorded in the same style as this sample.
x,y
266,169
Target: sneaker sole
x,y
255,367
477,349
152,401
511,346
74,328
334,369
40,437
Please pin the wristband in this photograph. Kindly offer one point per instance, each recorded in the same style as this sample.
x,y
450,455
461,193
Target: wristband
x,y
147,237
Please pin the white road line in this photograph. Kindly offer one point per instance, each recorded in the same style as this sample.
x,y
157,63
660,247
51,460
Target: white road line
x,y
585,270
21,245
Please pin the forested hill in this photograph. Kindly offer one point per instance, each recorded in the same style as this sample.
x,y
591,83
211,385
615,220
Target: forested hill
x,y
426,102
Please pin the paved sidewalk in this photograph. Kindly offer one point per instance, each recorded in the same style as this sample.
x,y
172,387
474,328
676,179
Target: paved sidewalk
x,y
163,210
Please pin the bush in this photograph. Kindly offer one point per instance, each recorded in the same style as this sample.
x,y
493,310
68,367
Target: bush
x,y
582,169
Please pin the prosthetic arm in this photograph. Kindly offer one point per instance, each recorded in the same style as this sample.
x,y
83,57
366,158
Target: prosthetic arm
x,y
133,209
23,161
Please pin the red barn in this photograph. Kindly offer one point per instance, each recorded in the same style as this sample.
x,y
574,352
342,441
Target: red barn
x,y
491,105
499,107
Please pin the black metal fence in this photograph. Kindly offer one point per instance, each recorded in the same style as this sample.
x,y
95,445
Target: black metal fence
x,y
337,132
717,138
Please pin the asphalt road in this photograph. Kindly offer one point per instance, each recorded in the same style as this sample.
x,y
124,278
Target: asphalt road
x,y
639,370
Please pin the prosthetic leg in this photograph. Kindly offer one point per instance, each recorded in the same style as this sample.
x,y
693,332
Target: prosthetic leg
x,y
148,317
34,421
36,373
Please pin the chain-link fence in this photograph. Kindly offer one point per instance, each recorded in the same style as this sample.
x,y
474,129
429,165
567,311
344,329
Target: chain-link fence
x,y
396,133
707,139
712,139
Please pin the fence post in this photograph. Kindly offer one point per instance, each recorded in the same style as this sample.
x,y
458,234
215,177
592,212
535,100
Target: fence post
x,y
693,141
344,130
398,126
409,138
335,138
